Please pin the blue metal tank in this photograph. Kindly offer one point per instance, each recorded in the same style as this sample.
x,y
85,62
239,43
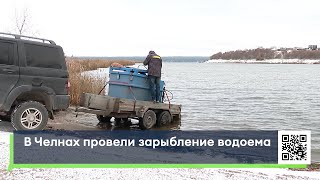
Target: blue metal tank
x,y
130,83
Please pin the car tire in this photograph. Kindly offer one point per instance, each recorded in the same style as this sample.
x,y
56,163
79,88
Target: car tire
x,y
29,115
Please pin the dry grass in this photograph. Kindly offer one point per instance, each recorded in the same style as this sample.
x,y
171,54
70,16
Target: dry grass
x,y
81,83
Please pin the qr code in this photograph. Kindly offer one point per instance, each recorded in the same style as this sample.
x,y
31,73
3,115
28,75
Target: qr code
x,y
294,147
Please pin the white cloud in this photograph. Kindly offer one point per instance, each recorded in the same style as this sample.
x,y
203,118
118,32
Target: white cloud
x,y
176,27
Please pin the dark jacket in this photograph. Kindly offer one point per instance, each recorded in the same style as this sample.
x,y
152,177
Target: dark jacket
x,y
154,63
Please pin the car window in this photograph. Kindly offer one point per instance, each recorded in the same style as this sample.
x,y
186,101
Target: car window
x,y
6,53
43,56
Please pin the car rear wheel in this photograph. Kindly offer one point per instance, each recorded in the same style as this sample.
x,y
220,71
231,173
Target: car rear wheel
x,y
30,115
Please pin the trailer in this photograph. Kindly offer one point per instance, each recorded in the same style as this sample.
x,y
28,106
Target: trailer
x,y
129,96
148,113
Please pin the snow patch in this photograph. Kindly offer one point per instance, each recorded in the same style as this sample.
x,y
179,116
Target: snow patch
x,y
267,61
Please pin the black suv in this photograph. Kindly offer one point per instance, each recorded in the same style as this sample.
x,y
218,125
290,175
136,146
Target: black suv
x,y
33,81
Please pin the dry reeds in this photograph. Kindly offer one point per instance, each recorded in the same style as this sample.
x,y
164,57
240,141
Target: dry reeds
x,y
82,83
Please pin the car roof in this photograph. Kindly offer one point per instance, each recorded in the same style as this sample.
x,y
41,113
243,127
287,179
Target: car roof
x,y
28,39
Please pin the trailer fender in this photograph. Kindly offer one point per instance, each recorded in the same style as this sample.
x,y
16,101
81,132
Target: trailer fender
x,y
140,113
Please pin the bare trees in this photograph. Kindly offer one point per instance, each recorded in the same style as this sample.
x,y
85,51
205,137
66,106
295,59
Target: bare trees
x,y
258,54
21,21
267,53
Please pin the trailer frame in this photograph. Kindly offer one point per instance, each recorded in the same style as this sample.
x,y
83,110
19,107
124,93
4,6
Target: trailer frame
x,y
147,112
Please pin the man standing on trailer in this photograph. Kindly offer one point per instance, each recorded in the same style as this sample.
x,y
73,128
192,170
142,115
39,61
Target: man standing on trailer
x,y
154,63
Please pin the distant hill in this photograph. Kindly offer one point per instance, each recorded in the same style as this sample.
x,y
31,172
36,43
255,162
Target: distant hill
x,y
266,53
142,58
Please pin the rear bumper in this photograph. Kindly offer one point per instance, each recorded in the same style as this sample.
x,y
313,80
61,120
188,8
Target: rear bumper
x,y
61,102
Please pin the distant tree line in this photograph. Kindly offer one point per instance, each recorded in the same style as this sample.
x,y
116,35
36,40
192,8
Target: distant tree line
x,y
303,54
267,53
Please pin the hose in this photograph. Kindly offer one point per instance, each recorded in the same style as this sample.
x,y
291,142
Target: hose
x,y
166,98
103,88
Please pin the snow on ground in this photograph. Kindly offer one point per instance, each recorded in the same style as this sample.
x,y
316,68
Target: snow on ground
x,y
267,61
146,173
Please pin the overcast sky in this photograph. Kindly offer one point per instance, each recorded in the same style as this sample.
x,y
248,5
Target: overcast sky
x,y
169,27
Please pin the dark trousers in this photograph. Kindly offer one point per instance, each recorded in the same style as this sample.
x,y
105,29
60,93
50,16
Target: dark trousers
x,y
154,87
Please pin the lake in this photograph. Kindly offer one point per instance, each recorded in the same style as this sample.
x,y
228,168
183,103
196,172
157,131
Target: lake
x,y
246,96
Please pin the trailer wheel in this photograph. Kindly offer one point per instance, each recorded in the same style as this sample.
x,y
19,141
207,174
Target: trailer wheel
x,y
149,120
104,119
164,118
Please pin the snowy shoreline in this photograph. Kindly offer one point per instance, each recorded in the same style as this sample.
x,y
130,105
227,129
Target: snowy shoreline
x,y
267,61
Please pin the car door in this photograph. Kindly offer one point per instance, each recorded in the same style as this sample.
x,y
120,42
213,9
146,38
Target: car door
x,y
9,71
